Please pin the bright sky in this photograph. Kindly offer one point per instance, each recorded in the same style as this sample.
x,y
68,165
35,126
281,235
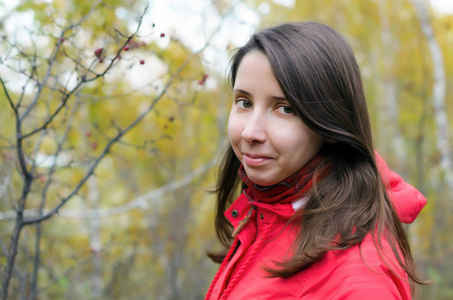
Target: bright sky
x,y
443,6
192,22
187,21
169,15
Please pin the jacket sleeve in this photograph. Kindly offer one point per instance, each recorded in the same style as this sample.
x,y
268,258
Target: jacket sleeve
x,y
406,199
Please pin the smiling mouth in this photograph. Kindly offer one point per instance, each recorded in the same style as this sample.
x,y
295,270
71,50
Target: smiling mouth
x,y
255,160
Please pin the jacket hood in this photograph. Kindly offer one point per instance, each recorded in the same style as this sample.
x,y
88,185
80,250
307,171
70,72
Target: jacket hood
x,y
406,199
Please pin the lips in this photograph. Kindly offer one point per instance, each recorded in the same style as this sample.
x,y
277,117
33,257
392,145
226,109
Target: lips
x,y
255,159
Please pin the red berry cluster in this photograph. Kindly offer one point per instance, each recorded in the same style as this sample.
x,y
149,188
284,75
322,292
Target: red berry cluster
x,y
94,144
99,54
203,80
133,44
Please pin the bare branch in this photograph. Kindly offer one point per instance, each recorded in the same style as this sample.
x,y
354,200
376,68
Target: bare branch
x,y
99,159
115,58
82,81
3,246
52,61
119,135
36,265
8,97
144,201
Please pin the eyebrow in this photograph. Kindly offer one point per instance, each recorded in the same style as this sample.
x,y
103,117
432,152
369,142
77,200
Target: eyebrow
x,y
278,98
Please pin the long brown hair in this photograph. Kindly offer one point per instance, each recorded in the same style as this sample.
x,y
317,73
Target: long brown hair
x,y
318,74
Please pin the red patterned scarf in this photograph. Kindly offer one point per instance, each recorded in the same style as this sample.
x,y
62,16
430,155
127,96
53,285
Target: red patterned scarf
x,y
290,189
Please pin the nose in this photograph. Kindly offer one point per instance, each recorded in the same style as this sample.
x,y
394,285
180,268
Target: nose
x,y
255,129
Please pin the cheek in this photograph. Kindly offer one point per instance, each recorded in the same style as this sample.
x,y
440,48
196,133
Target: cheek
x,y
314,143
301,141
234,135
234,128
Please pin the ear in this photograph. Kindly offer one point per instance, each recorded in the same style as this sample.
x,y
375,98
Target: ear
x,y
331,141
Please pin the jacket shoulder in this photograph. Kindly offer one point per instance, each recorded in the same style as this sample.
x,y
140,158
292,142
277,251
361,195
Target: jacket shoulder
x,y
360,272
406,199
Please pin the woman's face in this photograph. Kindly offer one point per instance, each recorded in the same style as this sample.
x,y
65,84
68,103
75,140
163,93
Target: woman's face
x,y
269,139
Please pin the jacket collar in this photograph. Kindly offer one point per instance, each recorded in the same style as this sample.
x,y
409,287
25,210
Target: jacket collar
x,y
246,207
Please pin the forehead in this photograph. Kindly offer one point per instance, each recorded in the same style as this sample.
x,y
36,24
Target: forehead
x,y
255,72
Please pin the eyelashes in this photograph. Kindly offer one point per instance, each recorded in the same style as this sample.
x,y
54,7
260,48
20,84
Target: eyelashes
x,y
287,110
282,108
242,103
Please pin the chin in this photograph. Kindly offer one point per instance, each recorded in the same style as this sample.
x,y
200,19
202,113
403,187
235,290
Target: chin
x,y
262,181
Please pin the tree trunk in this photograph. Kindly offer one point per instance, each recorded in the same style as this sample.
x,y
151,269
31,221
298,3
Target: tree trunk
x,y
95,239
389,89
12,253
15,237
438,93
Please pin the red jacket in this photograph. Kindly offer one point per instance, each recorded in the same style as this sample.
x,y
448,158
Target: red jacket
x,y
341,274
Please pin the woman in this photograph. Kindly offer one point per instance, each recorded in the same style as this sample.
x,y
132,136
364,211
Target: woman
x,y
314,219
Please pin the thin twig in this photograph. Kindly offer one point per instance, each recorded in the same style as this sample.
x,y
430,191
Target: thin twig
x,y
147,200
53,59
8,97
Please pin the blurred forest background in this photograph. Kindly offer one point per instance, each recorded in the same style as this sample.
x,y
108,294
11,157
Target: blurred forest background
x,y
113,116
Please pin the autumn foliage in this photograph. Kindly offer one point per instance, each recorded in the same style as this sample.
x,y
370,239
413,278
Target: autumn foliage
x,y
111,125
